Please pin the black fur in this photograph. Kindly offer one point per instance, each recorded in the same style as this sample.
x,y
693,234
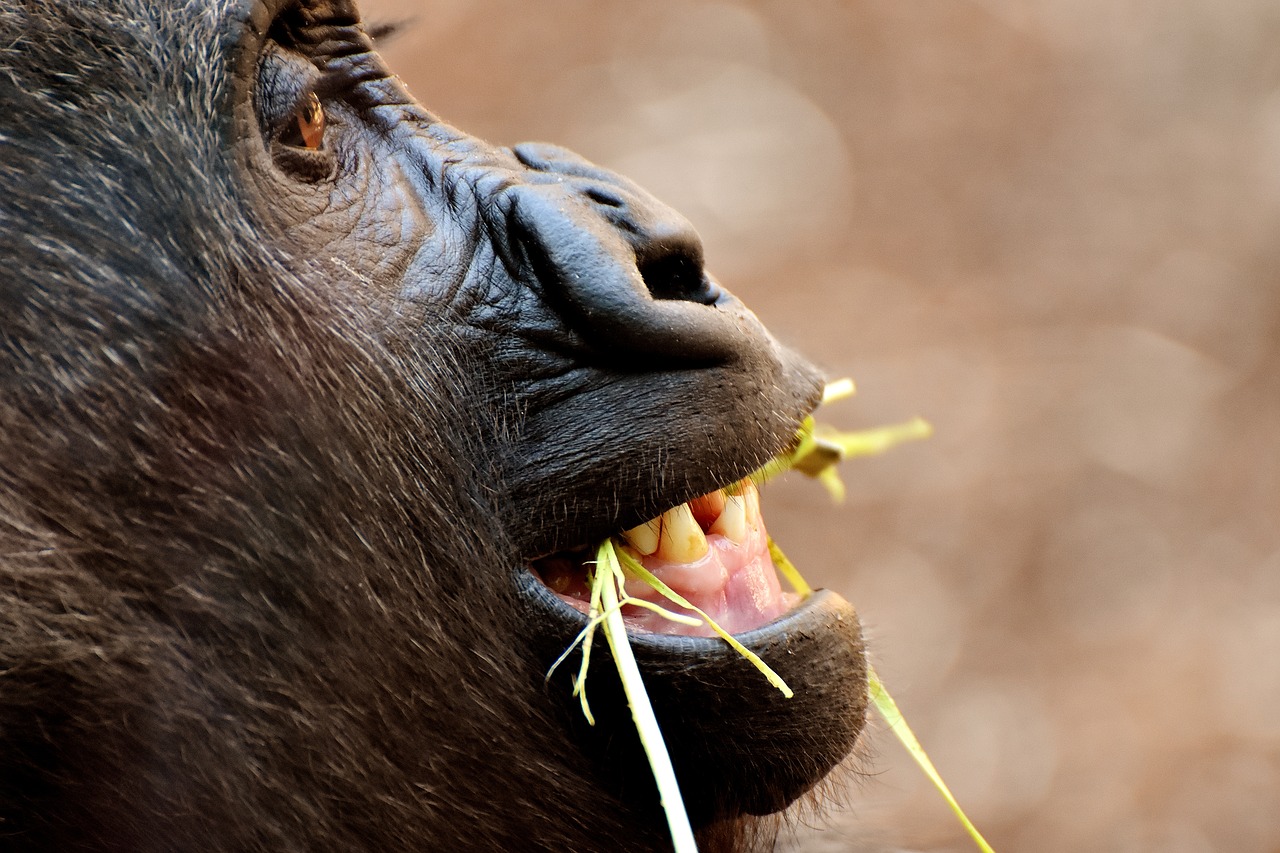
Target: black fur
x,y
279,427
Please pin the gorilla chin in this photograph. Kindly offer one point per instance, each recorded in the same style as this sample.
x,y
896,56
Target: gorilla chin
x,y
309,406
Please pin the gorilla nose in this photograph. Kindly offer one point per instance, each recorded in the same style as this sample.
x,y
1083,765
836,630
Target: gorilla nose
x,y
623,269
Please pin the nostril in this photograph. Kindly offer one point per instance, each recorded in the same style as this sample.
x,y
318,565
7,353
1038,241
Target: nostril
x,y
677,275
632,286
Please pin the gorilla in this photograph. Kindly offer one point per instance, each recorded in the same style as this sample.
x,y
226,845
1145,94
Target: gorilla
x,y
300,387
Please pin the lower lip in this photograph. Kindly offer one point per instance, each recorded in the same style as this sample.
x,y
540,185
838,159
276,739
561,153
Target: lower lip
x,y
718,714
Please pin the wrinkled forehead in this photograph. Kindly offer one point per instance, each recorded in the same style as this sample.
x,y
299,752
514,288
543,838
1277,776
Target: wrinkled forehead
x,y
257,15
250,21
246,23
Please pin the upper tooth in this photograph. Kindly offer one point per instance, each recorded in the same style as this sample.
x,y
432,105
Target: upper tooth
x,y
644,538
733,521
681,541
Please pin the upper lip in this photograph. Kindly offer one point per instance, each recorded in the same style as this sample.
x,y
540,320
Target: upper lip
x,y
632,517
628,445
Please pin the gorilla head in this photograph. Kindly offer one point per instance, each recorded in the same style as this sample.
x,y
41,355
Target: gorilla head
x,y
298,383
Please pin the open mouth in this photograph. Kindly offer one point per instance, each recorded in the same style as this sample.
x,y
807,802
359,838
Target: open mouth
x,y
712,550
737,746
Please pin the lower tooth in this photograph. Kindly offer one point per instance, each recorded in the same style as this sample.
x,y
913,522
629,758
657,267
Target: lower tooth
x,y
682,540
732,523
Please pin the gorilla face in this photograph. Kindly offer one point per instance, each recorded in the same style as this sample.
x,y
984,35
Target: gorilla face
x,y
302,383
629,378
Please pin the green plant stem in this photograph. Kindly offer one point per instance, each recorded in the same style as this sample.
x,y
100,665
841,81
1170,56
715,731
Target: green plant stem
x,y
889,711
655,747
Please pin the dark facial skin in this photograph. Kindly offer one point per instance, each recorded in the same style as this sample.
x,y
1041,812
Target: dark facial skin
x,y
285,418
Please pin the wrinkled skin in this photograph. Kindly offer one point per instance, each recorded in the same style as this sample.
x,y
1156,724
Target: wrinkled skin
x,y
282,427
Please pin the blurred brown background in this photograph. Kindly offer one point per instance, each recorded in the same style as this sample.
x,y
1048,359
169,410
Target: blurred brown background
x,y
1050,228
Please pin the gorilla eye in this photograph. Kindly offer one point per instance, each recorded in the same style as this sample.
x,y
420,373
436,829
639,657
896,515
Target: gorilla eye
x,y
305,128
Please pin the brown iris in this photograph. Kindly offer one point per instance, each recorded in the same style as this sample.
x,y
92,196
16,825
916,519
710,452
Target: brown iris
x,y
306,127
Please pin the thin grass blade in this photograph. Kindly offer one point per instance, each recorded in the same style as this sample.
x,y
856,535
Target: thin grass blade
x,y
615,632
889,711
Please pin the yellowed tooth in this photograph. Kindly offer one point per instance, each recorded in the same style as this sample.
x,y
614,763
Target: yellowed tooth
x,y
732,522
644,538
681,541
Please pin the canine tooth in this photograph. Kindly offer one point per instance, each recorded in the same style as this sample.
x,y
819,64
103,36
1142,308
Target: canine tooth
x,y
644,537
732,523
682,540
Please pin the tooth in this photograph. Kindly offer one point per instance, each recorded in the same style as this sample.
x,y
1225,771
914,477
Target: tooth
x,y
682,540
644,538
732,523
